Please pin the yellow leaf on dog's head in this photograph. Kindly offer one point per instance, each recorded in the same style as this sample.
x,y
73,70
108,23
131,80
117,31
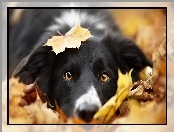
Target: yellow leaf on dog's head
x,y
72,39
79,33
108,110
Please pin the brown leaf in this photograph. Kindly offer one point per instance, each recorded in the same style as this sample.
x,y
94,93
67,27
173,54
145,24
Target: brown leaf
x,y
159,80
20,112
159,72
143,90
32,93
160,54
17,114
72,39
124,108
152,113
41,114
15,88
63,117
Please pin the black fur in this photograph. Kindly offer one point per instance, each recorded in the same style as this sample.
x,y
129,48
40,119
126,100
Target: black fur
x,y
107,51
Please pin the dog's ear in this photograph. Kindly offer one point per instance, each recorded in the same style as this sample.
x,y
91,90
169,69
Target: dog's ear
x,y
32,65
126,53
133,56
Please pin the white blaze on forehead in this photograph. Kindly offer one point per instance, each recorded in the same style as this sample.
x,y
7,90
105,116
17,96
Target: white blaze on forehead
x,y
72,17
91,97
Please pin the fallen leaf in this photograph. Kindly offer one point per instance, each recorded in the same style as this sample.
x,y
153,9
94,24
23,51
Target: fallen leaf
x,y
33,94
123,108
151,113
63,117
146,73
72,39
143,91
160,54
29,105
17,114
41,114
108,110
159,72
159,80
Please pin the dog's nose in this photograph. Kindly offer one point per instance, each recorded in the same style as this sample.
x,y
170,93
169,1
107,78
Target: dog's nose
x,y
87,111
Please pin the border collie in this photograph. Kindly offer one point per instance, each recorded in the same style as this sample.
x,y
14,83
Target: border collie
x,y
79,80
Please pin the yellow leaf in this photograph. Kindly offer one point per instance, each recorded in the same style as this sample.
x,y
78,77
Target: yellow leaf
x,y
124,81
145,73
107,111
72,39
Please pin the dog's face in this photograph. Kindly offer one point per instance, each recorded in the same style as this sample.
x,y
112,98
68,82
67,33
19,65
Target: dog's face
x,y
82,80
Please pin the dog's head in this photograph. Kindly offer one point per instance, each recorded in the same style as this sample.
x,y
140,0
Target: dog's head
x,y
82,80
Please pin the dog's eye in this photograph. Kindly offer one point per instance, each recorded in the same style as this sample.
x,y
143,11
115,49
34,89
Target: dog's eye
x,y
68,76
104,77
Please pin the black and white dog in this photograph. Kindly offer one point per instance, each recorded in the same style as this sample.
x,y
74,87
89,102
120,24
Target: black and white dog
x,y
80,80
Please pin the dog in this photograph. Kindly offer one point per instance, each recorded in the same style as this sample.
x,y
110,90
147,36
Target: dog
x,y
79,80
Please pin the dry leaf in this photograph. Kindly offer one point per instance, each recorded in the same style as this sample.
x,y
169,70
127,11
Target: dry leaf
x,y
72,39
33,94
159,72
143,91
41,114
28,105
159,81
63,117
123,109
160,54
109,108
152,113
17,114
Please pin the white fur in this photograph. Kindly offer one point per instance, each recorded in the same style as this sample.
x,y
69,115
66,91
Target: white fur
x,y
72,17
91,97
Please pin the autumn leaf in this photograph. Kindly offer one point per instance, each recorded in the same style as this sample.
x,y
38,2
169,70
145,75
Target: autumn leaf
x,y
41,114
143,91
151,113
72,39
160,54
63,117
33,94
17,114
159,72
146,73
29,105
108,110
